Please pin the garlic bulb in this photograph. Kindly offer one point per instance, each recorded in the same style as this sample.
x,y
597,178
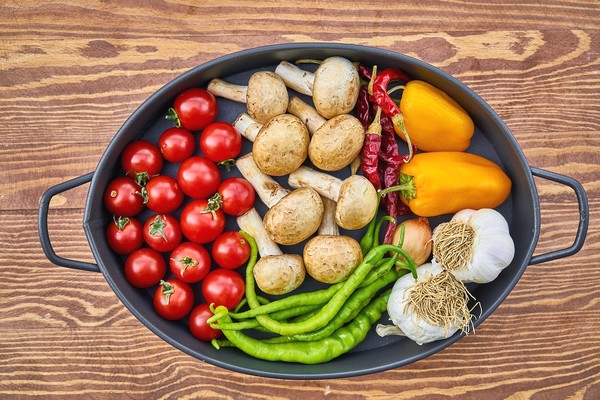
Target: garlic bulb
x,y
475,245
429,308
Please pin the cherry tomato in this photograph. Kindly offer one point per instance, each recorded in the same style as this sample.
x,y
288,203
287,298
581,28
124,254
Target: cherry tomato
x,y
220,141
124,235
141,156
199,224
145,268
198,177
173,299
190,262
162,194
176,144
122,197
223,287
162,232
231,250
200,329
237,196
193,109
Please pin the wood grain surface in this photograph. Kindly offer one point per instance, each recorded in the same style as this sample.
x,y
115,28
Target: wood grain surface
x,y
71,72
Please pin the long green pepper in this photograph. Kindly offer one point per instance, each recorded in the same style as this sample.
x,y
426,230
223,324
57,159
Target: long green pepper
x,y
341,341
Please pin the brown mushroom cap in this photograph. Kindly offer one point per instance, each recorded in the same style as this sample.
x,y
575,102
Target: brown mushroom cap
x,y
331,259
279,274
336,87
295,217
281,145
336,143
266,97
357,203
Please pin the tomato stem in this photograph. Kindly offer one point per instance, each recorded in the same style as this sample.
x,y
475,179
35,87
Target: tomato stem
x,y
227,164
172,116
121,222
214,203
157,227
167,289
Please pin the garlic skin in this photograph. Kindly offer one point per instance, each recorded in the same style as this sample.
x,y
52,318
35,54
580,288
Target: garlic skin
x,y
411,325
493,247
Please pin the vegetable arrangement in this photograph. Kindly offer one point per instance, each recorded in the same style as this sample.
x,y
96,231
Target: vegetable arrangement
x,y
415,274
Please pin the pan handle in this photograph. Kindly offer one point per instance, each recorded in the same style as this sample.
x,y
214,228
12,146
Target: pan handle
x,y
43,224
583,216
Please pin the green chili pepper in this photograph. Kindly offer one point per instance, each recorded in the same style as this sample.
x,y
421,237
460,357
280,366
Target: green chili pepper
x,y
281,315
341,341
355,303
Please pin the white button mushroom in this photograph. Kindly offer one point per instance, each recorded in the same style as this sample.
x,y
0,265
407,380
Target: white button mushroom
x,y
265,95
292,216
334,86
335,143
356,197
280,146
330,257
274,273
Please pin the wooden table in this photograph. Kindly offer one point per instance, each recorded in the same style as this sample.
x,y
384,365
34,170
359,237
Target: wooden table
x,y
72,72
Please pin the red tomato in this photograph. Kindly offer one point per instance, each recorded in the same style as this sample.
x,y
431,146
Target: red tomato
x,y
220,141
198,177
141,156
193,109
162,232
173,299
122,197
231,250
237,196
190,262
162,194
124,235
198,326
223,287
199,224
176,144
145,268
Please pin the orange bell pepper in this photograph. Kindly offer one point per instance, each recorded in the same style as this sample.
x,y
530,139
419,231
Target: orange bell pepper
x,y
433,120
439,183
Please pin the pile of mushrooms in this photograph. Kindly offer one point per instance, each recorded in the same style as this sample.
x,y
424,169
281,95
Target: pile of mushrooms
x,y
285,132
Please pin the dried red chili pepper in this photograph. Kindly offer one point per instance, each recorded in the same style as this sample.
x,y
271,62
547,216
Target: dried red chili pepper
x,y
391,160
379,86
364,71
363,107
370,152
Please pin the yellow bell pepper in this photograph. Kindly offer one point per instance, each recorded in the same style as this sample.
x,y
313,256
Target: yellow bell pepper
x,y
439,183
433,120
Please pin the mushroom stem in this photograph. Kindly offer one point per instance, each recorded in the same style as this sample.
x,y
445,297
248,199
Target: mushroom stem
x,y
230,91
247,126
252,223
267,188
326,185
309,115
328,225
295,77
